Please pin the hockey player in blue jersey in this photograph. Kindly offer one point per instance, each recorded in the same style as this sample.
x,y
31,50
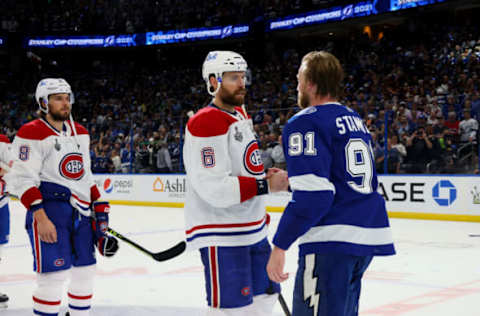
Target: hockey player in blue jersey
x,y
335,213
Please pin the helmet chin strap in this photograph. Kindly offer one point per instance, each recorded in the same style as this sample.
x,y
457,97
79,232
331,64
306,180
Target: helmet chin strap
x,y
214,93
74,130
44,110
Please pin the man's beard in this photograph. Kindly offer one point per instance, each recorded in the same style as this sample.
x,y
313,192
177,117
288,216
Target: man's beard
x,y
59,116
303,100
233,99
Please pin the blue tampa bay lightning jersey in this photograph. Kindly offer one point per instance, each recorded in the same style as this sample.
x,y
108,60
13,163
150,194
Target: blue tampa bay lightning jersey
x,y
335,206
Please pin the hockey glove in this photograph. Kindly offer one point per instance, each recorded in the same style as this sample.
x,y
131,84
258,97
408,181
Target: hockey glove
x,y
107,245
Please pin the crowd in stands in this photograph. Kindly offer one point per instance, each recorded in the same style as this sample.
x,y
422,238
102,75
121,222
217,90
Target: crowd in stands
x,y
422,85
134,16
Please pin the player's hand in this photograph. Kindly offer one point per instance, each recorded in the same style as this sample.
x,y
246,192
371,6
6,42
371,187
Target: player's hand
x,y
45,227
278,181
275,265
4,167
271,171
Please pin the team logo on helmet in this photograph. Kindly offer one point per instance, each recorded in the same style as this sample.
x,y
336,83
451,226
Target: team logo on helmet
x,y
252,159
71,166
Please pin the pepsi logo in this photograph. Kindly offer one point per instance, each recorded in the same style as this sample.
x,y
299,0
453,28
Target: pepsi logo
x,y
252,159
71,166
108,185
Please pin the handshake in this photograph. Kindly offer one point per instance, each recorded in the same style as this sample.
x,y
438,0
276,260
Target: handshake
x,y
277,180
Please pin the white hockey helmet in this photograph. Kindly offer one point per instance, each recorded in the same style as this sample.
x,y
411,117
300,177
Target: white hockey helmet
x,y
220,61
49,86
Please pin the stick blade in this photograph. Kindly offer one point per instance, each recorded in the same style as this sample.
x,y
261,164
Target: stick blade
x,y
170,253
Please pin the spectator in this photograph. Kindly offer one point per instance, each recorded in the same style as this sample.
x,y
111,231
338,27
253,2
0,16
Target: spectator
x,y
164,162
468,128
418,151
277,155
452,124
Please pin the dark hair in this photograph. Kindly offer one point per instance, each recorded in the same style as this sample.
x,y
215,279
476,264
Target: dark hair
x,y
324,70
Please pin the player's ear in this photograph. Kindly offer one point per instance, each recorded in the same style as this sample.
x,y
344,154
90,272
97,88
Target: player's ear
x,y
213,82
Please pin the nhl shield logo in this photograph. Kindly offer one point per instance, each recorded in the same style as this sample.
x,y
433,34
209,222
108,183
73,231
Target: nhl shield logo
x,y
252,159
71,166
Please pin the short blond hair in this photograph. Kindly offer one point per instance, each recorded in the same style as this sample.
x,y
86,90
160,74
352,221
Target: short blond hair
x,y
324,70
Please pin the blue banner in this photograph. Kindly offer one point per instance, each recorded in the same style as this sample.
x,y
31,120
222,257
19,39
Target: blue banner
x,y
327,15
83,41
396,5
349,11
150,38
3,41
197,34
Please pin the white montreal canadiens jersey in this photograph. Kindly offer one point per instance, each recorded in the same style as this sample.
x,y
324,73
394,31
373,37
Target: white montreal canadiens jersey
x,y
222,161
45,154
5,157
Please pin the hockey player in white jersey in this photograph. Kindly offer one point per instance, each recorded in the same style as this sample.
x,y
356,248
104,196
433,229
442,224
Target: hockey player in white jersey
x,y
51,176
6,160
224,208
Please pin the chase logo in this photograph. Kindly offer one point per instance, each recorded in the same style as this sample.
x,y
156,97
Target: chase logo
x,y
227,31
109,41
108,185
347,11
444,193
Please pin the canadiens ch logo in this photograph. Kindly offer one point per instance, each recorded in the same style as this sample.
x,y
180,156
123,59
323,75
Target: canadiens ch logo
x,y
252,159
59,262
71,166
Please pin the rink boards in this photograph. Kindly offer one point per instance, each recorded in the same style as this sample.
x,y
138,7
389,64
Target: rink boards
x,y
446,197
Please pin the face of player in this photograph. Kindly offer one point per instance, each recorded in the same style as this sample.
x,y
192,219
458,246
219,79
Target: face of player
x,y
59,106
232,91
303,98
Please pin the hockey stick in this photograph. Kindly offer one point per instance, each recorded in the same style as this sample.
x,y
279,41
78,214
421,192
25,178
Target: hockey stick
x,y
159,256
281,300
473,235
284,305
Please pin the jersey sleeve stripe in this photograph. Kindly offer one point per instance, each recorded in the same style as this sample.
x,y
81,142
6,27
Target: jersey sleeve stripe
x,y
310,182
349,234
31,195
94,193
225,226
248,188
